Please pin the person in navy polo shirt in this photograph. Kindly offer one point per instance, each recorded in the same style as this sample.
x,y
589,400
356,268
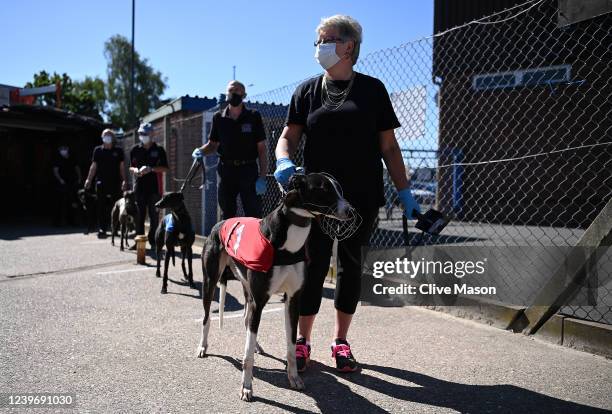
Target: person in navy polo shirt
x,y
108,168
238,135
147,159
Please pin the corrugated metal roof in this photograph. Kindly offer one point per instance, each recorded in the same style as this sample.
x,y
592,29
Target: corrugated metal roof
x,y
184,103
45,118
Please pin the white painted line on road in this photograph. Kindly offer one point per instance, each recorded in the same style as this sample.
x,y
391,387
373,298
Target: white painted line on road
x,y
111,272
239,315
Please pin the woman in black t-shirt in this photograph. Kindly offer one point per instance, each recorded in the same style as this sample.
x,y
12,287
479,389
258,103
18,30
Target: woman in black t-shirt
x,y
348,121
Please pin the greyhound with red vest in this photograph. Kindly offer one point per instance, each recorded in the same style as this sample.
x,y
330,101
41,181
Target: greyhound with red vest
x,y
268,256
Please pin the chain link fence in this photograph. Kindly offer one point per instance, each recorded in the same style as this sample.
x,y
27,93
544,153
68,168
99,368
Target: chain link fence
x,y
506,129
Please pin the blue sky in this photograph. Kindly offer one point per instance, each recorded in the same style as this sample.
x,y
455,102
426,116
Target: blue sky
x,y
195,43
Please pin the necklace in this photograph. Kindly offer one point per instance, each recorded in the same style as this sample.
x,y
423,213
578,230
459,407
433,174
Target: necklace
x,y
332,100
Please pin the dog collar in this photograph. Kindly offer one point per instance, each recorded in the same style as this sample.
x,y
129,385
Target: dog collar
x,y
298,220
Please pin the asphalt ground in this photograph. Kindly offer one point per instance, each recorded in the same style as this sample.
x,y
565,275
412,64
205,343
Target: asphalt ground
x,y
78,316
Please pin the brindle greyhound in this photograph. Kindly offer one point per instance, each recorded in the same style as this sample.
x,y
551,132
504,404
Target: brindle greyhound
x,y
124,215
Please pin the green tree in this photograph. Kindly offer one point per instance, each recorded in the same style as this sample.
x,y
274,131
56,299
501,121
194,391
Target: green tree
x,y
86,97
89,97
149,84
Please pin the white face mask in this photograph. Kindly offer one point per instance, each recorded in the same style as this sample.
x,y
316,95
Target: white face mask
x,y
64,153
107,139
326,55
145,139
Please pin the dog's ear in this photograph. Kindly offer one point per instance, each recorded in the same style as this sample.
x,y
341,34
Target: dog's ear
x,y
297,182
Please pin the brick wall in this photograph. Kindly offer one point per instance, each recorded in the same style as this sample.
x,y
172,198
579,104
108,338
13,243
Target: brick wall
x,y
185,133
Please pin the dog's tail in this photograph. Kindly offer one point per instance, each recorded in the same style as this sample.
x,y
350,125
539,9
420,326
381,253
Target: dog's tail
x,y
222,289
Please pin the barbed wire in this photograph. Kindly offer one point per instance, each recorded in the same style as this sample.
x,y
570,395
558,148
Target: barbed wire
x,y
465,164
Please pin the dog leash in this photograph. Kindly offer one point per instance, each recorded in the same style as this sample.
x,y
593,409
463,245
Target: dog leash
x,y
191,173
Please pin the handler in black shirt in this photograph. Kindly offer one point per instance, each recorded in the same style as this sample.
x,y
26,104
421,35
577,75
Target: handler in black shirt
x,y
348,121
108,168
237,133
67,179
147,160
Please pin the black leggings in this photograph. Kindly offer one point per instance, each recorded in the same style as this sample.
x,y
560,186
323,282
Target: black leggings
x,y
348,283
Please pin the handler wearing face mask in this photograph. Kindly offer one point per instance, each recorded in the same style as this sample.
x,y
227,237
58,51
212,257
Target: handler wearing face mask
x,y
147,160
67,178
108,168
348,121
237,133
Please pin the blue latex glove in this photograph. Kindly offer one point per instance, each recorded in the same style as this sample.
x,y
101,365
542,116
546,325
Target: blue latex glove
x,y
261,186
409,203
285,168
197,154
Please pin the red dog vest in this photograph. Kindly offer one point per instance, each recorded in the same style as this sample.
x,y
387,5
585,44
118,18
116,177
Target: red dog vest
x,y
243,241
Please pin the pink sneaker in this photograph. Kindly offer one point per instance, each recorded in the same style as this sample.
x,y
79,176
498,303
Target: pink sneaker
x,y
341,352
302,354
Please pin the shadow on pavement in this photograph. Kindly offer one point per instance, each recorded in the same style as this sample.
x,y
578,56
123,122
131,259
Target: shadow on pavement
x,y
19,230
231,302
331,395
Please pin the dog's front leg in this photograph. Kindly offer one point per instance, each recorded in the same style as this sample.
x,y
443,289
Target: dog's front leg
x,y
254,312
292,314
158,253
123,231
183,257
169,252
208,290
190,264
113,229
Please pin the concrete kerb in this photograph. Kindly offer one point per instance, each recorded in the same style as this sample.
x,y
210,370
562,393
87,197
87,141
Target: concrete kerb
x,y
489,312
587,336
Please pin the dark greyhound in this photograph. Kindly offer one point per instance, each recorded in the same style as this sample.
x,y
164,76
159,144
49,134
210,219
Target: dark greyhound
x,y
175,230
124,215
88,201
267,257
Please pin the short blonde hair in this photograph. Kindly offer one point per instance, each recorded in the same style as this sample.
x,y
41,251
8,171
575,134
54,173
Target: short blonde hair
x,y
108,131
348,29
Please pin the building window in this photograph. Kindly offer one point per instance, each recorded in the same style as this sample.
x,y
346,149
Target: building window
x,y
546,76
526,77
494,81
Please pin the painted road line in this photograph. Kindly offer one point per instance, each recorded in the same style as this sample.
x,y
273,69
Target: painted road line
x,y
239,315
63,271
112,272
